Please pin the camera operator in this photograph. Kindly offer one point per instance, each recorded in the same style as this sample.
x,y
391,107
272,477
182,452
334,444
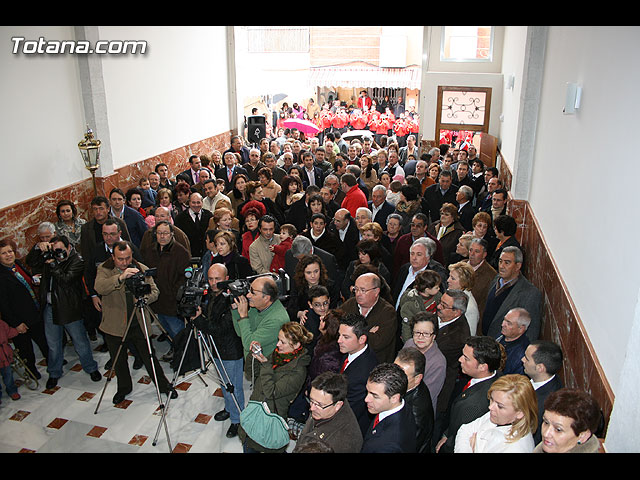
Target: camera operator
x,y
216,321
113,283
61,294
257,318
170,259
36,256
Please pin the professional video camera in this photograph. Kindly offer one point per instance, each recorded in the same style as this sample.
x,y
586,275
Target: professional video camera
x,y
242,286
190,294
58,254
136,283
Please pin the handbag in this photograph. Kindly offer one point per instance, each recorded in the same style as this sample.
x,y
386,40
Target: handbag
x,y
268,429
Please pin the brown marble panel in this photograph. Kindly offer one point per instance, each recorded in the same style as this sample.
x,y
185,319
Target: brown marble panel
x,y
20,221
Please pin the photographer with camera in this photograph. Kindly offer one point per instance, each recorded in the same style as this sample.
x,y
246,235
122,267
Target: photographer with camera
x,y
258,315
121,281
216,320
170,259
61,296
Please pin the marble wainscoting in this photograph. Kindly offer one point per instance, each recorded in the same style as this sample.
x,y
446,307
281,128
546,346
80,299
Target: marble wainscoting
x,y
561,322
20,221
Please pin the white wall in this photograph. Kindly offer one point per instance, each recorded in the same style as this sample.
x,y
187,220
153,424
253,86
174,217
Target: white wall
x,y
41,119
173,95
584,180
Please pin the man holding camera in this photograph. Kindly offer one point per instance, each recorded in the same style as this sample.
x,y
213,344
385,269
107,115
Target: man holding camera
x,y
216,320
257,318
114,282
61,294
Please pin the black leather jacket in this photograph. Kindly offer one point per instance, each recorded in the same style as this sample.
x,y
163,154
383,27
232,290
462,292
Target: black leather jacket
x,y
64,281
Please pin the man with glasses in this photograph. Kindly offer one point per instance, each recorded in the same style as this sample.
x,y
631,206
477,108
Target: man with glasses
x,y
257,318
331,421
380,315
453,331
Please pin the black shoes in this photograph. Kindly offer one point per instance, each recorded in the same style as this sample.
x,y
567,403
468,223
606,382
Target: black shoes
x,y
119,397
95,376
221,416
52,383
233,430
171,392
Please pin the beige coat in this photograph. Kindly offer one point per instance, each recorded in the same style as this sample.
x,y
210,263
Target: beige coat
x,y
114,303
259,254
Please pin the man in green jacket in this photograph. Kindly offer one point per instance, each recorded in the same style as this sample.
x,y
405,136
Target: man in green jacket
x,y
257,318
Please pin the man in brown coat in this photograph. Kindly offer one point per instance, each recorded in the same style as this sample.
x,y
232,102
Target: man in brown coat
x,y
380,315
485,274
118,304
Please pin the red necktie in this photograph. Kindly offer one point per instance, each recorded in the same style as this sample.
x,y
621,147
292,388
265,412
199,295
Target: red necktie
x,y
467,385
344,365
376,420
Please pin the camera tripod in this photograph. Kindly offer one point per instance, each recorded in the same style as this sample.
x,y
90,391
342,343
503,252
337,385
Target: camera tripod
x,y
140,306
206,358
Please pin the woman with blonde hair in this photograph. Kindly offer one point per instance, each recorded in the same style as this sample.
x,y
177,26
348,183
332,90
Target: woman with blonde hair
x,y
509,424
462,277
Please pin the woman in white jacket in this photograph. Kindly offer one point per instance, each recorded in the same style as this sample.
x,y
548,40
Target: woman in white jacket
x,y
461,277
509,424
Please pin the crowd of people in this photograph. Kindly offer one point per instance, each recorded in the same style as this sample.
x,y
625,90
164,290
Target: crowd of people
x,y
408,325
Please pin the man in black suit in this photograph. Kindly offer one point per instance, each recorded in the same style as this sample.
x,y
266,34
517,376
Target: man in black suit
x,y
136,225
194,222
393,429
230,171
418,397
480,361
91,232
453,331
237,146
344,226
440,193
466,210
542,361
191,175
358,360
379,206
311,175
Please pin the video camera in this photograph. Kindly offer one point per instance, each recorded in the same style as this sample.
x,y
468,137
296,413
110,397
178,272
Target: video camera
x,y
242,286
58,254
136,283
190,294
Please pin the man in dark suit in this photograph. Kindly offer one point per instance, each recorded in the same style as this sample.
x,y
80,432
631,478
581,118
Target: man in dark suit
x,y
380,315
453,331
91,232
418,397
508,290
419,224
344,226
393,429
358,360
322,238
194,222
480,361
542,361
230,171
136,226
311,175
192,174
379,206
237,146
438,194
466,210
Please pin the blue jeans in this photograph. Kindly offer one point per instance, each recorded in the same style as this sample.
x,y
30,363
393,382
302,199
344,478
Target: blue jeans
x,y
55,337
234,369
9,382
173,325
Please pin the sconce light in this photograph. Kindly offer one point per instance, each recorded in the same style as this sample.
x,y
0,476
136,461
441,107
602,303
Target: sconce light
x,y
90,151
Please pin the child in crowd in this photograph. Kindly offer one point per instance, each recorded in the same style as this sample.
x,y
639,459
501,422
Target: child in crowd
x,y
424,296
287,234
6,357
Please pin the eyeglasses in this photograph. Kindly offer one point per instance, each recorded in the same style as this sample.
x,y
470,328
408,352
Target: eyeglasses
x,y
316,404
253,292
362,290
163,234
321,304
423,334
445,306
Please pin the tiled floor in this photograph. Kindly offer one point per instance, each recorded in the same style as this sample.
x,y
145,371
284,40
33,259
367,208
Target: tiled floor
x,y
65,420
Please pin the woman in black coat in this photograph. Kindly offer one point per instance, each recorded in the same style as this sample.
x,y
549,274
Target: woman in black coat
x,y
19,306
227,254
